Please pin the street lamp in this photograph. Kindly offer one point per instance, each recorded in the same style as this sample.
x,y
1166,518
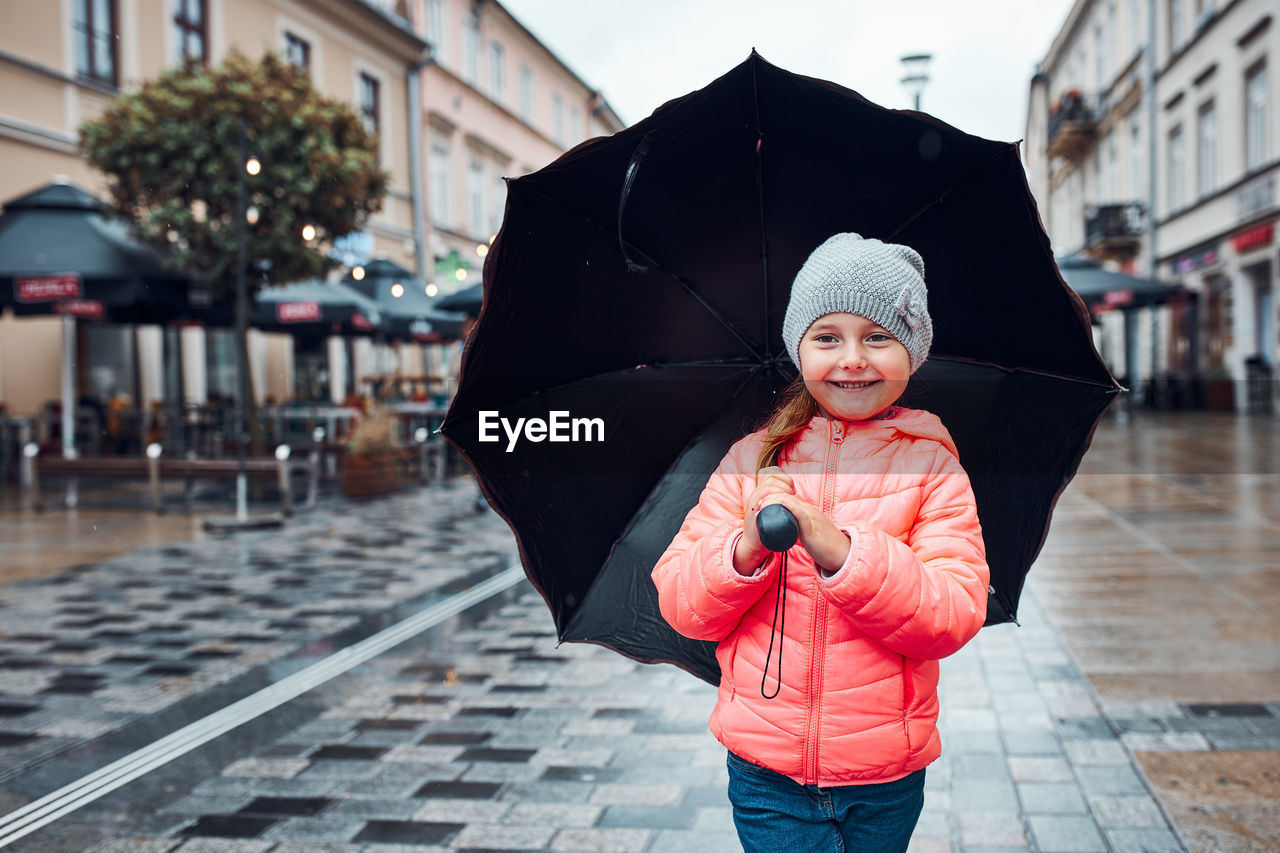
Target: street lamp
x,y
916,66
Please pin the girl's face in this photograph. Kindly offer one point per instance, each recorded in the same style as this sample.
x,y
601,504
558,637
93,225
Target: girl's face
x,y
852,367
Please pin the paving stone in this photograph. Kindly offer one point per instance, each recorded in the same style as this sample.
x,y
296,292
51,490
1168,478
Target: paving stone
x,y
493,836
602,840
327,829
1032,743
553,814
1109,780
1040,769
1094,752
1143,841
991,829
617,794
677,841
648,817
1126,812
1055,834
1051,798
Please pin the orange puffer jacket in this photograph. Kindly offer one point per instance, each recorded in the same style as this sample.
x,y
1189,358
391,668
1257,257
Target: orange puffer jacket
x,y
858,701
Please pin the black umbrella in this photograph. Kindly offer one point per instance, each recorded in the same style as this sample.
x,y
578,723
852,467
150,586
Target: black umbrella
x,y
314,307
468,300
408,314
60,253
640,281
1099,287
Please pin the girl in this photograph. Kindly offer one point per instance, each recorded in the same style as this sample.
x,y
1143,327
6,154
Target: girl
x,y
828,695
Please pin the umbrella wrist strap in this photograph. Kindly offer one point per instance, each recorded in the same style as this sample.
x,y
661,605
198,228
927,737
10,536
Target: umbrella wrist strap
x,y
779,630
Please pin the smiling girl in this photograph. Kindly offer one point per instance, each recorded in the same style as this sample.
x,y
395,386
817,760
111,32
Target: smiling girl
x,y
829,655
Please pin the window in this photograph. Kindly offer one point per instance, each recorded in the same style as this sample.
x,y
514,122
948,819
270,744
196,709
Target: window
x,y
475,196
191,29
297,51
1177,170
471,49
1099,58
498,208
526,94
557,118
96,34
1177,26
1137,30
1112,195
1207,150
435,28
1137,162
1255,118
497,73
438,186
369,112
575,125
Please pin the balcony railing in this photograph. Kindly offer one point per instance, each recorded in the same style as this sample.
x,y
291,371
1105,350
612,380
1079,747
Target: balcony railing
x,y
1073,126
1114,232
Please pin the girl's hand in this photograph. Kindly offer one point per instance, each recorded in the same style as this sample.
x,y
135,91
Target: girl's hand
x,y
826,543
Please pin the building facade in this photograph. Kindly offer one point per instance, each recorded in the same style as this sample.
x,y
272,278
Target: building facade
x,y
1172,169
496,103
459,92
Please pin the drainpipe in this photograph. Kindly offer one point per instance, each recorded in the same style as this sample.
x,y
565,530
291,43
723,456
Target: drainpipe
x,y
1149,84
413,76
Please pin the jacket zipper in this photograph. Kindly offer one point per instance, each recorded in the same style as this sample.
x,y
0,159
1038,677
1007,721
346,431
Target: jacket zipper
x,y
813,733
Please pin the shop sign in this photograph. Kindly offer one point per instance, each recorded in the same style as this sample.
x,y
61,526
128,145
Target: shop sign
x,y
359,321
47,288
1254,238
85,309
1116,298
298,312
1202,257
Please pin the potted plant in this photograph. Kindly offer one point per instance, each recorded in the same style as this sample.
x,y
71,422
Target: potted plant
x,y
371,461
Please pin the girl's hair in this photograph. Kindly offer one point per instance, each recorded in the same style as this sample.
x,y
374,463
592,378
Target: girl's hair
x,y
796,408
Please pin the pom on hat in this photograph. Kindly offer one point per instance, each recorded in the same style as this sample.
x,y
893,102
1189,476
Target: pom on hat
x,y
883,282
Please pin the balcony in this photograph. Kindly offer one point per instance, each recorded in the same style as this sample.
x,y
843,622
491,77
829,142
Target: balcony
x,y
1073,127
1113,232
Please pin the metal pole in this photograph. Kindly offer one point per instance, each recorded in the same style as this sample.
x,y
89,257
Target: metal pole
x,y
242,311
68,386
1149,92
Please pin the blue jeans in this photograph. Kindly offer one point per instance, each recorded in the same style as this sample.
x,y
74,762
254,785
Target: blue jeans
x,y
774,813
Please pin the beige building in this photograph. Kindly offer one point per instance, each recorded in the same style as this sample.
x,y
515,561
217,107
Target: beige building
x,y
1092,151
496,103
61,61
460,84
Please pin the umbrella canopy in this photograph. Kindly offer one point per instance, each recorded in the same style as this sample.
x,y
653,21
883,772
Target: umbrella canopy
x,y
1102,288
468,300
411,315
61,254
640,281
314,307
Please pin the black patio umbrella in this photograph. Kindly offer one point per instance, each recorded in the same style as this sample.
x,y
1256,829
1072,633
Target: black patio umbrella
x,y
314,307
1099,286
468,300
61,253
408,314
640,281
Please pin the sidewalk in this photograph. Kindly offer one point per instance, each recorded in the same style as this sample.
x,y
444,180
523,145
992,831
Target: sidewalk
x,y
1139,690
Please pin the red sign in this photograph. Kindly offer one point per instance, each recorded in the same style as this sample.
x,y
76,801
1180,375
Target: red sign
x,y
359,321
1118,297
47,288
1254,238
88,309
298,312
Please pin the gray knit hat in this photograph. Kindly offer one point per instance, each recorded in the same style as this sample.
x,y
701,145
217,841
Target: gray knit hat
x,y
883,282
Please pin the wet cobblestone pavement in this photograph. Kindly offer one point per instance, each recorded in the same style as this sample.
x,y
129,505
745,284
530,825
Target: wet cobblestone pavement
x,y
1133,710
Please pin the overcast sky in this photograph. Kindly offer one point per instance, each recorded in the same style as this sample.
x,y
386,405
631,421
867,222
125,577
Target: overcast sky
x,y
641,53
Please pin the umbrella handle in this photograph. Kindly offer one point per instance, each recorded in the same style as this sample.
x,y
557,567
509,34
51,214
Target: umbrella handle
x,y
778,528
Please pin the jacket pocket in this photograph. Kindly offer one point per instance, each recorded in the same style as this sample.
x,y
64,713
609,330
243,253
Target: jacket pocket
x,y
908,697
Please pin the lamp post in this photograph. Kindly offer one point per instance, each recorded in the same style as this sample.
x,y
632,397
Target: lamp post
x,y
245,165
916,65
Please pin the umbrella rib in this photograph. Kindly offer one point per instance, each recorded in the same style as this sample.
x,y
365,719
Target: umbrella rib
x,y
943,195
764,237
652,263
1028,370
